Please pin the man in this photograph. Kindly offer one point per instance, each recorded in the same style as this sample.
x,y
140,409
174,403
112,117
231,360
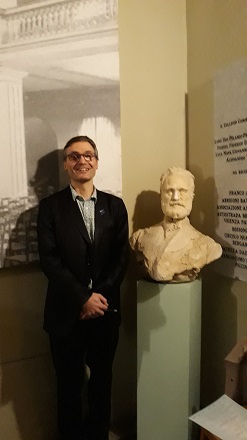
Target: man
x,y
173,250
83,247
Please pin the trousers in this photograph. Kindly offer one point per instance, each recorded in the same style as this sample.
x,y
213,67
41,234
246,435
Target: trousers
x,y
93,343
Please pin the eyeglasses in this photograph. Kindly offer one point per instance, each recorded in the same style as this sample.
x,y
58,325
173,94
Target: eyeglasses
x,y
75,157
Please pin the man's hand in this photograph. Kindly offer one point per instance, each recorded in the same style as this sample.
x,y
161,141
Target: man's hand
x,y
95,306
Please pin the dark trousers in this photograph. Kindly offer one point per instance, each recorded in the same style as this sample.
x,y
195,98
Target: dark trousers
x,y
92,342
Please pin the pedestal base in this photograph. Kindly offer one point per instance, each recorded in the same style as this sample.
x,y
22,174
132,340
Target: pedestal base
x,y
168,350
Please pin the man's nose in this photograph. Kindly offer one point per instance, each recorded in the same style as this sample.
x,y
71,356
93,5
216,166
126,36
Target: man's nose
x,y
175,194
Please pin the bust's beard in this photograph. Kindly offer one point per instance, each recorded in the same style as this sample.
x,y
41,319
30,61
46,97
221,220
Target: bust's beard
x,y
177,212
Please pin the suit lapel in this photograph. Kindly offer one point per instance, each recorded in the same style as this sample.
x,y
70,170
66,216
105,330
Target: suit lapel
x,y
74,211
101,215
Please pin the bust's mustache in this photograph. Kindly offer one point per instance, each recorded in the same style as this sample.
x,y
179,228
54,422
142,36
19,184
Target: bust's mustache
x,y
177,204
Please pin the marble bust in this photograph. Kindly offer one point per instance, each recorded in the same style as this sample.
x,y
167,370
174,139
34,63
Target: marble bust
x,y
173,250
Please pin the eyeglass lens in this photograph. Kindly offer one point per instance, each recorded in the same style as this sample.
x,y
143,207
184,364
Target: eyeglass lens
x,y
75,157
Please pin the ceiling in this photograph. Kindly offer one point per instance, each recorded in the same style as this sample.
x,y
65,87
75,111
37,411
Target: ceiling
x,y
87,71
86,58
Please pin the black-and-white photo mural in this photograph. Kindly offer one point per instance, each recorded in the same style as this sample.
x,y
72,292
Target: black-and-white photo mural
x,y
59,78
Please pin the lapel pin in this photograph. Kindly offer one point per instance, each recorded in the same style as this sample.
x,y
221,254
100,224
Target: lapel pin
x,y
102,211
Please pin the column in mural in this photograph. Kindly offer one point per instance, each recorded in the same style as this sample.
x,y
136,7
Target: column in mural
x,y
13,189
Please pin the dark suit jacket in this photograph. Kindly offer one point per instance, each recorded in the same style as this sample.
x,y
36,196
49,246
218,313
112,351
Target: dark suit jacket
x,y
69,259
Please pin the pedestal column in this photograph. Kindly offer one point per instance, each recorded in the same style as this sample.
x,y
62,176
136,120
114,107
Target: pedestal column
x,y
169,346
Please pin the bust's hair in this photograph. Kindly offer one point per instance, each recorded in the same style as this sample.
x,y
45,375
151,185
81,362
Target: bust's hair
x,y
180,172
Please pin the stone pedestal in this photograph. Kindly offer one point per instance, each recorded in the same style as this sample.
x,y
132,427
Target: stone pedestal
x,y
169,346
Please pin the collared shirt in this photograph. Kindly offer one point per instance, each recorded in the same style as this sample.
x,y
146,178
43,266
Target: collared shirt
x,y
87,208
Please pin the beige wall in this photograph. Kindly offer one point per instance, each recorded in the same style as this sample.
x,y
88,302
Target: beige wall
x,y
153,86
217,34
27,402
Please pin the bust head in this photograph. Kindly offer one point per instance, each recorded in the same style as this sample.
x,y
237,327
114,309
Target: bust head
x,y
177,193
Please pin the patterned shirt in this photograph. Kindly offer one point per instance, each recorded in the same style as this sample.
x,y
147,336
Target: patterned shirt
x,y
87,208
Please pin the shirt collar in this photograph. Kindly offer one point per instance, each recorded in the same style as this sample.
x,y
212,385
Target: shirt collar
x,y
75,195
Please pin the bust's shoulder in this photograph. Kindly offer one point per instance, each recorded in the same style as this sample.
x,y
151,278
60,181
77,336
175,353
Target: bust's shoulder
x,y
209,246
151,231
155,229
194,233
